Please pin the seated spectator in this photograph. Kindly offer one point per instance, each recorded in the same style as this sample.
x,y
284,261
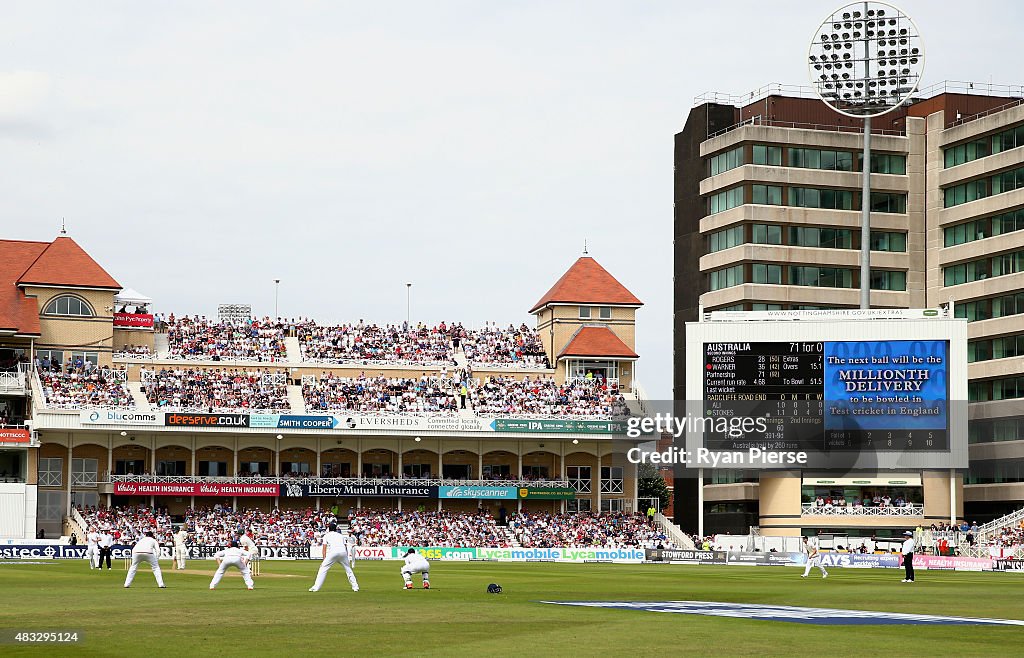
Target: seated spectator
x,y
425,395
79,387
217,390
198,338
373,344
511,347
541,397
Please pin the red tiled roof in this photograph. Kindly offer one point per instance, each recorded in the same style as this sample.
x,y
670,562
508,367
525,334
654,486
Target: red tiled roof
x,y
586,282
18,312
64,263
597,341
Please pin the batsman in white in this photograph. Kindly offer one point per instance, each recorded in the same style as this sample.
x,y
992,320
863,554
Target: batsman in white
x,y
232,556
813,557
92,548
146,550
335,550
415,563
246,543
180,538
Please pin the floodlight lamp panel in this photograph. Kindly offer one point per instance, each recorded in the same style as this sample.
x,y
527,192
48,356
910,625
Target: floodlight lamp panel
x,y
868,54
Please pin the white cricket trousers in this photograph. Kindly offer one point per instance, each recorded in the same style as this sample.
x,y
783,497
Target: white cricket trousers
x,y
339,557
154,564
179,556
242,566
814,562
92,554
407,573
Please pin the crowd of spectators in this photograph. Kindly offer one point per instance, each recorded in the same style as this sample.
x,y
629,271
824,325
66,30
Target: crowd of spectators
x,y
374,344
542,397
134,352
511,347
607,529
216,390
362,394
73,387
199,338
216,525
127,524
882,499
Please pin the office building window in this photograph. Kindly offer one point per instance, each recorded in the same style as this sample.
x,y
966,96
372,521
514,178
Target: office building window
x,y
725,239
726,200
768,195
765,273
726,161
726,278
986,227
822,277
766,233
888,280
888,241
988,145
813,236
767,155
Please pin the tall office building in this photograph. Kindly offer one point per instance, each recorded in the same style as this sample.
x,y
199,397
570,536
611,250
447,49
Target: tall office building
x,y
767,216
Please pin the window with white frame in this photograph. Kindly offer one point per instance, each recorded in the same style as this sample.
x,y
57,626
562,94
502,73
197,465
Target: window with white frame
x,y
69,305
611,479
585,312
578,505
579,478
51,472
83,472
613,505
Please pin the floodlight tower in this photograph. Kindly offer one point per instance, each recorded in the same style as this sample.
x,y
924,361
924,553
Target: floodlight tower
x,y
865,60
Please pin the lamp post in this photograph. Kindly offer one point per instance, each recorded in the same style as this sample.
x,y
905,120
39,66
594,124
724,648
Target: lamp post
x,y
865,60
408,306
277,288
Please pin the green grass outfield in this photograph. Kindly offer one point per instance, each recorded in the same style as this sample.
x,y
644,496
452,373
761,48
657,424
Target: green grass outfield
x,y
457,617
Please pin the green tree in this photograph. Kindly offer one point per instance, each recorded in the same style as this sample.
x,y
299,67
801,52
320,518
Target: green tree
x,y
652,485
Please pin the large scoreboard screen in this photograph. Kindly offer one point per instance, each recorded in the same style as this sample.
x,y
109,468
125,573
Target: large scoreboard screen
x,y
825,396
848,388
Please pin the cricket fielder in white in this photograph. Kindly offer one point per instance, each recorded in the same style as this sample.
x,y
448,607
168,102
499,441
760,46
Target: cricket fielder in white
x,y
232,556
180,538
92,548
415,563
334,548
813,557
146,550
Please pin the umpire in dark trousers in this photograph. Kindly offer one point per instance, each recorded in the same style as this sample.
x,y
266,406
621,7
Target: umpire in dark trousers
x,y
106,546
908,556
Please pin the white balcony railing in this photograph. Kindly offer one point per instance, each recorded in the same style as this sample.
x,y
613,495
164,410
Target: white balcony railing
x,y
810,509
251,479
12,383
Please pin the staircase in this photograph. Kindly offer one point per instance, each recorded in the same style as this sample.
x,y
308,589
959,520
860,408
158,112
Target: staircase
x,y
160,345
294,351
295,399
1013,519
141,401
674,533
462,361
460,358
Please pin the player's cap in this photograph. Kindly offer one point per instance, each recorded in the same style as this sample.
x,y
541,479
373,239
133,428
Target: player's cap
x,y
908,533
148,533
332,526
410,551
